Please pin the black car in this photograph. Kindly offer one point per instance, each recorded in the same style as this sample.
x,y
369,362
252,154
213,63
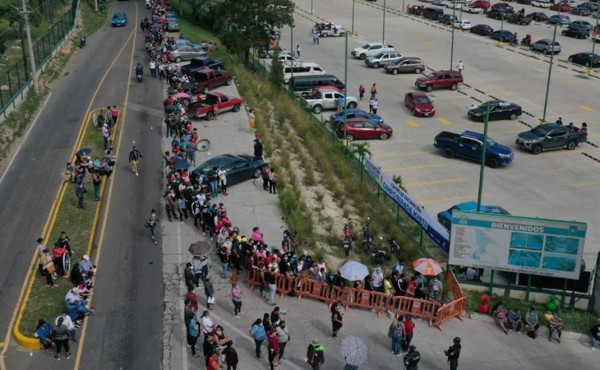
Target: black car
x,y
499,109
538,17
578,33
448,19
497,14
239,167
590,5
585,59
581,10
503,36
482,29
519,18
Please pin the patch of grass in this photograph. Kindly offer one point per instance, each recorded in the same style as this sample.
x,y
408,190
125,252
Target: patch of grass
x,y
92,20
47,303
319,195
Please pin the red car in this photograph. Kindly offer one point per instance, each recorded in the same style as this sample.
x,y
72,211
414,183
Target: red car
x,y
206,107
365,129
419,104
564,7
503,6
485,5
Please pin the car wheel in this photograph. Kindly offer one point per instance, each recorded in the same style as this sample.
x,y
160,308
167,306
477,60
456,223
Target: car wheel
x,y
429,88
349,138
323,35
454,86
209,116
418,70
205,90
178,60
228,82
394,71
513,116
571,145
537,149
383,136
449,153
317,109
414,112
363,56
493,163
236,108
351,105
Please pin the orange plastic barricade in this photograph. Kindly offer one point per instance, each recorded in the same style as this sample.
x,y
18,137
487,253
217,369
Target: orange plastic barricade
x,y
450,310
284,285
453,284
366,299
413,307
253,278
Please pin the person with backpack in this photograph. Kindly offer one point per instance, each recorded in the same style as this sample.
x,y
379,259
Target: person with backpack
x,y
453,353
315,355
412,358
396,333
193,334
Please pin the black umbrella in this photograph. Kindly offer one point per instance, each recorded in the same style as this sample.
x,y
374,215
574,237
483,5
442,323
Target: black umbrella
x,y
200,248
84,151
187,86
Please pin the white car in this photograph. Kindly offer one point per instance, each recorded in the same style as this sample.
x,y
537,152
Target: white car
x,y
541,3
333,30
463,24
440,2
371,49
457,4
472,10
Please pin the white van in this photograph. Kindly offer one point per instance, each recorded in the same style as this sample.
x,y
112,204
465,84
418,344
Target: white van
x,y
304,69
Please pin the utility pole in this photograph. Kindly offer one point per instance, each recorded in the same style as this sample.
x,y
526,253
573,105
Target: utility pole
x,y
34,76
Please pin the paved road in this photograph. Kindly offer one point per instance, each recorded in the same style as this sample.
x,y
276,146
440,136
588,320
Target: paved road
x,y
555,184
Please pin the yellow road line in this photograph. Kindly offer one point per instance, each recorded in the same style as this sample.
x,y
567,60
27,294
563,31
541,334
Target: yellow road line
x,y
419,167
412,123
440,200
444,121
589,183
561,169
435,182
587,109
396,154
110,190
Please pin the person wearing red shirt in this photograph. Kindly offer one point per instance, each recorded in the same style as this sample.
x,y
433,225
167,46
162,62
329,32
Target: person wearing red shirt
x,y
409,327
192,298
273,348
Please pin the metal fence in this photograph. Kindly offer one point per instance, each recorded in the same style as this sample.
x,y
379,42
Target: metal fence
x,y
410,228
18,77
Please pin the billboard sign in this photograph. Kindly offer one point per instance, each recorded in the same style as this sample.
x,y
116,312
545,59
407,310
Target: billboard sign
x,y
431,226
517,244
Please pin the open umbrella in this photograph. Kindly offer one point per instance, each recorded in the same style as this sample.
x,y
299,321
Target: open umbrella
x,y
181,164
354,350
187,86
354,271
200,248
182,95
83,151
171,108
427,266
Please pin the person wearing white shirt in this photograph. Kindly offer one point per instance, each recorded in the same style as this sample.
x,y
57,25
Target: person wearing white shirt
x,y
68,323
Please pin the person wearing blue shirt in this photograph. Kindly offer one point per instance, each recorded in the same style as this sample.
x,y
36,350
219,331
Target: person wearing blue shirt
x,y
259,334
44,331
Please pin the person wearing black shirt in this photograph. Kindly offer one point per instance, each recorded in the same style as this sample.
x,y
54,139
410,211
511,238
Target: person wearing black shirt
x,y
453,353
231,356
258,149
419,293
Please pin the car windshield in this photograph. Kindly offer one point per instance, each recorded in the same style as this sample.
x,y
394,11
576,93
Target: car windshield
x,y
365,46
490,142
422,100
540,130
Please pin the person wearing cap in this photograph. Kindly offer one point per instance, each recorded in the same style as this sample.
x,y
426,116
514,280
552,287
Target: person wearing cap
x,y
412,358
453,353
86,268
315,356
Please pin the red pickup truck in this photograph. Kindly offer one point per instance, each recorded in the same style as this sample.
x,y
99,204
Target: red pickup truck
x,y
207,78
205,108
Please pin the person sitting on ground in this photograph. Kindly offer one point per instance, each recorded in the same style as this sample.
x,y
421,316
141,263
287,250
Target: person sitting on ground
x,y
514,320
500,314
555,326
43,332
76,307
532,323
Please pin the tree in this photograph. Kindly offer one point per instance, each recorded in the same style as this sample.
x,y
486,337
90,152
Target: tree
x,y
276,74
398,181
245,25
362,150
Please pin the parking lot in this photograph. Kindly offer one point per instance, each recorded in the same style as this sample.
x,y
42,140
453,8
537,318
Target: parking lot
x,y
558,184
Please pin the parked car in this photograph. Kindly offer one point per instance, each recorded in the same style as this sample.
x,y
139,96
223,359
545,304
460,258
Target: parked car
x,y
562,7
206,78
456,4
550,136
585,59
472,9
185,53
404,65
177,43
578,33
541,3
581,24
482,29
561,19
483,4
433,13
503,36
419,104
581,10
469,145
119,19
415,9
545,46
538,16
499,109
504,6
445,217
338,117
593,6
440,79
370,49
448,19
440,2
382,59
364,129
239,167
205,108
498,14
325,97
332,30
463,24
201,62
173,25
519,18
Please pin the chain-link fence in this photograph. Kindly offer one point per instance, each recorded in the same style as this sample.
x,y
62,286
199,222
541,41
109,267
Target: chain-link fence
x,y
17,78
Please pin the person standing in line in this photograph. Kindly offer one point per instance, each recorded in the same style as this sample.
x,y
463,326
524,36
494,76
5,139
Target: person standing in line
x,y
152,67
375,106
134,158
251,121
453,353
114,114
412,358
371,102
231,356
68,323
151,225
258,333
315,355
207,326
61,335
361,92
213,362
188,275
272,182
336,320
272,284
409,330
222,174
96,181
106,134
373,91
236,297
396,333
460,67
209,291
258,149
80,192
193,334
273,347
298,50
282,338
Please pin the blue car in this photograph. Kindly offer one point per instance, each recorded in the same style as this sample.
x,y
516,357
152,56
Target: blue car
x,y
503,36
338,118
445,217
119,19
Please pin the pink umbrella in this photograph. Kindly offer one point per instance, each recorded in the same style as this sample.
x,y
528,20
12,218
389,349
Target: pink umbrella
x,y
428,266
182,95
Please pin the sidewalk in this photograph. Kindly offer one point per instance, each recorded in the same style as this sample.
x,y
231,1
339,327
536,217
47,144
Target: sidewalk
x,y
484,344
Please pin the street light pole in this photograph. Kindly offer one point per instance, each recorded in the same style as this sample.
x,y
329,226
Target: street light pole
x,y
311,7
291,49
346,85
353,1
550,67
452,44
384,11
481,170
591,66
502,25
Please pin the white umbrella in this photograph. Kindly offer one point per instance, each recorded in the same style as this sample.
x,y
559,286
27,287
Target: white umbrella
x,y
354,271
354,350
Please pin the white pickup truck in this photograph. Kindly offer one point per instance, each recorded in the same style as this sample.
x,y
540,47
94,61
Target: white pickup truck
x,y
326,97
371,49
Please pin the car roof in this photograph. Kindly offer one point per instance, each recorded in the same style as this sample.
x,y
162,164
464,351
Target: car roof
x,y
418,94
327,87
217,161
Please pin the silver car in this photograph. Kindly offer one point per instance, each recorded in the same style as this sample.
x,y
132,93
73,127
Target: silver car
x,y
404,65
185,53
382,59
545,46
